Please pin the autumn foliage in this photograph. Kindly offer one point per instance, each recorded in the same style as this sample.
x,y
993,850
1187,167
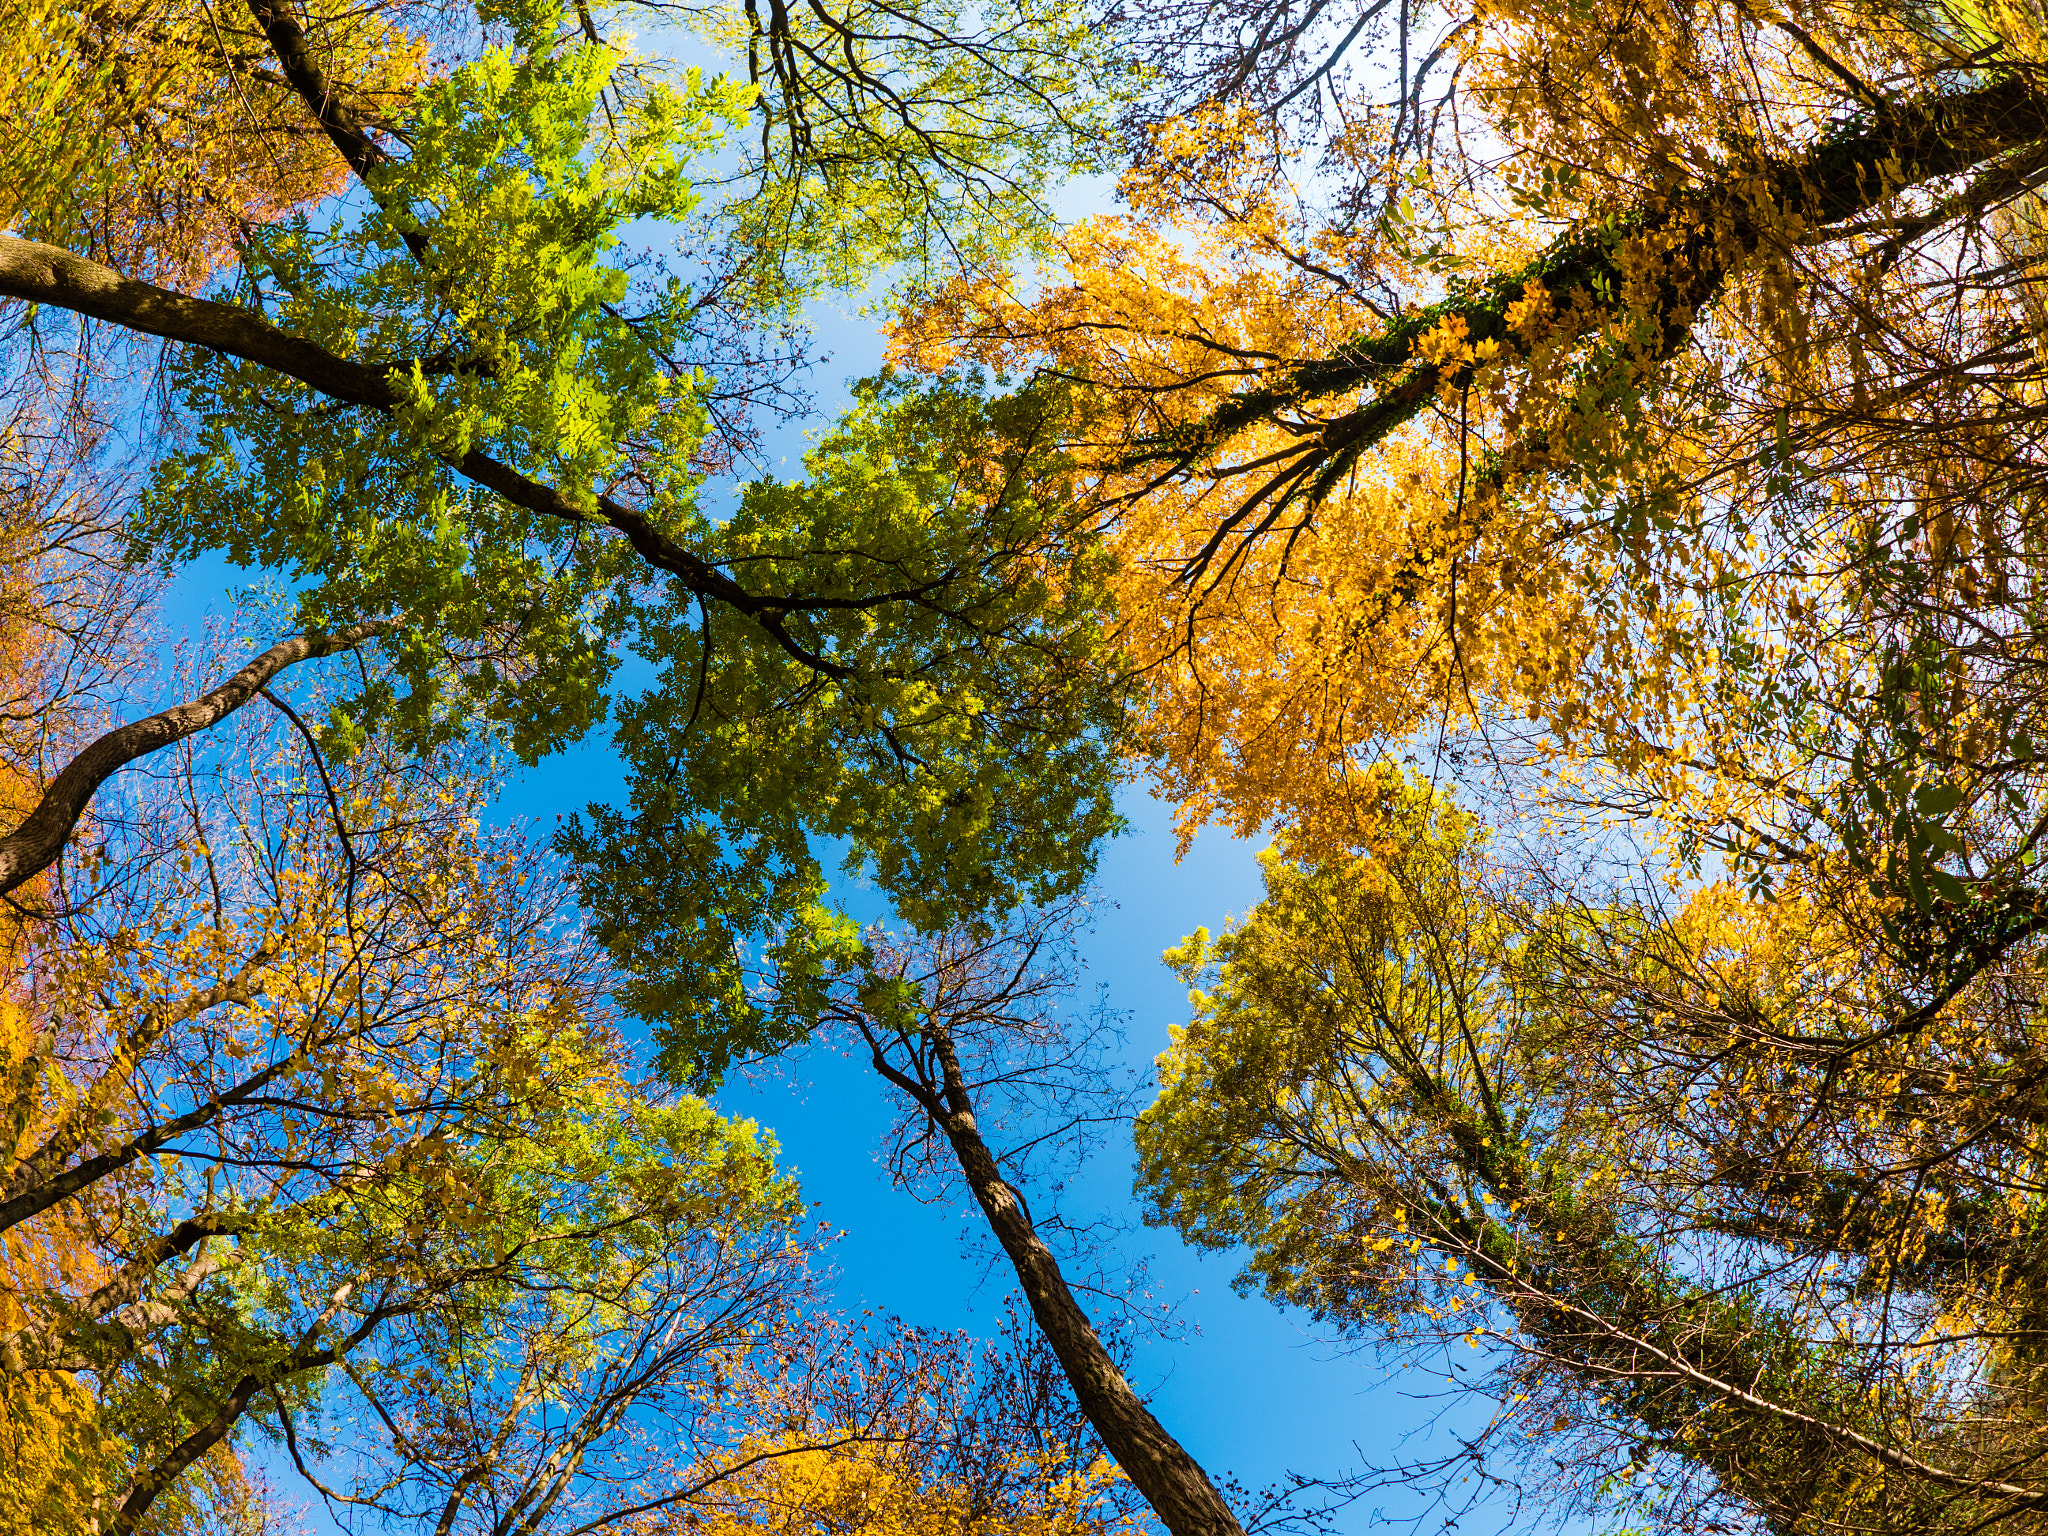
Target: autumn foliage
x,y
155,135
1571,474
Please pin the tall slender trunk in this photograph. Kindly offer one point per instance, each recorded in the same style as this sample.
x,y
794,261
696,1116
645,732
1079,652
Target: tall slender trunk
x,y
1158,1466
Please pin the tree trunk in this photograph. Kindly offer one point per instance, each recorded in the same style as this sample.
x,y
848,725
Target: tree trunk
x,y
1171,1480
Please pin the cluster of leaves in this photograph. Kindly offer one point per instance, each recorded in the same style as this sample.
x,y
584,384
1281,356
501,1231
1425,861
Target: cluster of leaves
x,y
509,480
325,1092
967,740
1649,443
321,1128
1719,1220
1642,402
153,135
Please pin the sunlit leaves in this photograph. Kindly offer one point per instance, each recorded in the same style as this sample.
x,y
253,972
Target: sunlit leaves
x,y
955,744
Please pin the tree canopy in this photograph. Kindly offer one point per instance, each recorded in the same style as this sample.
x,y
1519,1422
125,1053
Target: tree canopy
x,y
1629,418
1568,472
324,1132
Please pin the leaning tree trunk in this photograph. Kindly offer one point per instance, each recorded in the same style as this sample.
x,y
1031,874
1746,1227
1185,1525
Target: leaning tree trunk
x,y
1171,1480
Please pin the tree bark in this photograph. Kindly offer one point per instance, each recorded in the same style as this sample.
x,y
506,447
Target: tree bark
x,y
1158,1466
343,125
152,1483
34,273
1702,233
33,846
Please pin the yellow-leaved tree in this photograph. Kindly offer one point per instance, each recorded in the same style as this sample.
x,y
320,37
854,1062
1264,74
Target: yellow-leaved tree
x,y
153,133
912,1432
883,1490
1636,424
1634,416
56,1460
1666,1179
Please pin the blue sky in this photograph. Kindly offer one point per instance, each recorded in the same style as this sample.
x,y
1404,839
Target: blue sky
x,y
1253,1392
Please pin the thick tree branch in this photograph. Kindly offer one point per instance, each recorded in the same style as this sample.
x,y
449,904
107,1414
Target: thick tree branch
x,y
44,274
304,1357
33,846
39,1348
344,127
1697,236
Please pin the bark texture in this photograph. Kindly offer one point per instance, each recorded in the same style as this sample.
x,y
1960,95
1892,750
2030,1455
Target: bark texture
x,y
1158,1466
33,846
